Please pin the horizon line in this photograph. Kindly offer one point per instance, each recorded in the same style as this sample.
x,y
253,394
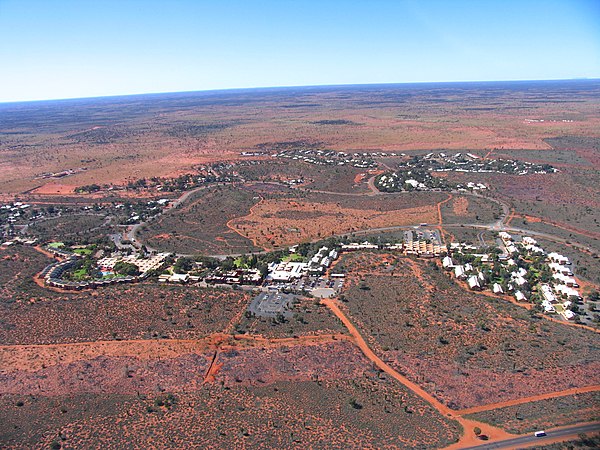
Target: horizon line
x,y
257,88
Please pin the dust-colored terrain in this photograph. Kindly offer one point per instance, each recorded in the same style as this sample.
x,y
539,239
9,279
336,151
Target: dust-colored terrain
x,y
470,209
279,222
157,135
142,311
296,393
464,348
544,414
200,225
279,415
405,358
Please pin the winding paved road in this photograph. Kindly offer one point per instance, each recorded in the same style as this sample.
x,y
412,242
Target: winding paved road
x,y
556,435
498,225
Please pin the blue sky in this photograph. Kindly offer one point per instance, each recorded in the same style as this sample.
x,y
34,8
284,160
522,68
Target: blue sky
x,y
79,48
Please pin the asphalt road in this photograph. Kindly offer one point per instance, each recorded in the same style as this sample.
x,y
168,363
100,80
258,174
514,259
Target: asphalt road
x,y
493,226
530,439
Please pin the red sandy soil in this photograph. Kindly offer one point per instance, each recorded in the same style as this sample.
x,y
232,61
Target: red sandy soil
x,y
230,224
569,228
487,386
110,374
139,366
534,398
308,360
460,205
31,358
467,438
54,189
359,177
268,226
476,383
162,236
439,209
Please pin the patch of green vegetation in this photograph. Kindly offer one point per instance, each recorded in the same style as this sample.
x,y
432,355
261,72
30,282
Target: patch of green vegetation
x,y
82,251
240,263
80,274
293,257
124,268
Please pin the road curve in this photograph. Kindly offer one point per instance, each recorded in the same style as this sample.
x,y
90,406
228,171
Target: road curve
x,y
467,424
556,435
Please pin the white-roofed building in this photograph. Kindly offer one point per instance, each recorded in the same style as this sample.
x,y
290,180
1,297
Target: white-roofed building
x,y
548,307
519,296
447,262
473,282
286,271
548,294
558,258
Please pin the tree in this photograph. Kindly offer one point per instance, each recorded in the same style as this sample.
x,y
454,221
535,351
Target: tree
x,y
228,263
355,404
125,268
183,265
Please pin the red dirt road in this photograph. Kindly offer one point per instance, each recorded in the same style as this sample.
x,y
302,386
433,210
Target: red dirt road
x,y
468,438
534,398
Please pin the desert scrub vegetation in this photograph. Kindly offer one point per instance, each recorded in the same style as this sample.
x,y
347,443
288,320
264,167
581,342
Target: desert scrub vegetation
x,y
141,311
465,348
279,415
543,414
200,224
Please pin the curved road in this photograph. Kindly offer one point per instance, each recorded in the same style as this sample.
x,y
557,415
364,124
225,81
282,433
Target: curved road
x,y
498,225
556,435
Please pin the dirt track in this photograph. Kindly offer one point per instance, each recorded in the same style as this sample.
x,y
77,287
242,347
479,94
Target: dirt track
x,y
534,219
468,438
534,398
33,357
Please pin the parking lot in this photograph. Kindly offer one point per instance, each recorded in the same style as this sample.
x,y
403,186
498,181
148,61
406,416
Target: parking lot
x,y
271,304
309,284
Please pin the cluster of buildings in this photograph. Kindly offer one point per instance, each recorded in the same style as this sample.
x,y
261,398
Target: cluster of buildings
x,y
423,242
62,173
236,276
180,278
53,273
144,264
286,271
19,240
468,162
556,294
332,158
356,246
13,211
411,180
422,248
419,248
415,173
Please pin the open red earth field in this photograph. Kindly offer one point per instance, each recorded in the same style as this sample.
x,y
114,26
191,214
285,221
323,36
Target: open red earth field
x,y
464,348
167,134
305,393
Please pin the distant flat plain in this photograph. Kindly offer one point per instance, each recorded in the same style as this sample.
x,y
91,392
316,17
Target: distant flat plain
x,y
122,138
